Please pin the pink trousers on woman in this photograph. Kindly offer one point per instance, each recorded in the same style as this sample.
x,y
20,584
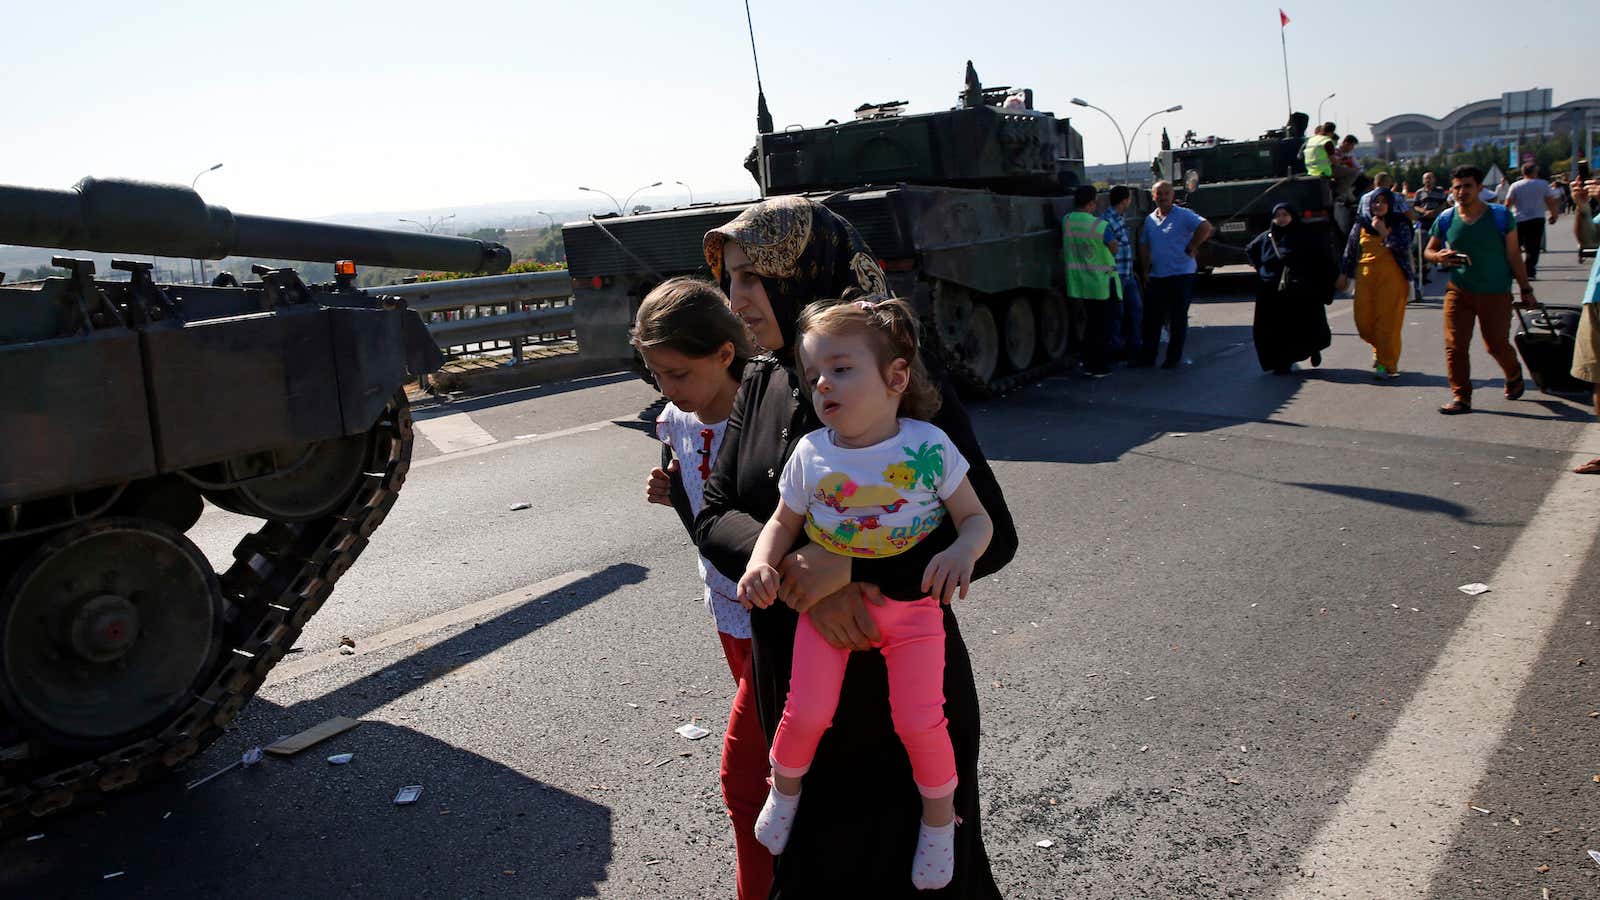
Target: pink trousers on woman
x,y
911,637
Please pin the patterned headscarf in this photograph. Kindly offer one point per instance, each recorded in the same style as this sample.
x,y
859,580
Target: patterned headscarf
x,y
802,251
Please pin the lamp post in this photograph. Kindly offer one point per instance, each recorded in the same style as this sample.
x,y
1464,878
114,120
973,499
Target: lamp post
x,y
628,203
687,188
432,225
192,182
1319,107
540,212
1127,148
608,196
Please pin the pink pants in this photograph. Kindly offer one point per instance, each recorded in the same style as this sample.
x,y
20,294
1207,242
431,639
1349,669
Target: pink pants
x,y
912,642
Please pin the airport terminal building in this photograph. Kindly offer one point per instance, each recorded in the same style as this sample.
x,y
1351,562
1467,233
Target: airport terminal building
x,y
1515,115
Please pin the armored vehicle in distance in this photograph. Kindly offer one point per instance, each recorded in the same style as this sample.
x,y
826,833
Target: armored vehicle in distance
x,y
127,405
1235,184
963,207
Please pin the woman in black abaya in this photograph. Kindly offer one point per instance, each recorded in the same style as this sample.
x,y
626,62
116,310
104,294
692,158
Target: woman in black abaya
x,y
1295,273
856,826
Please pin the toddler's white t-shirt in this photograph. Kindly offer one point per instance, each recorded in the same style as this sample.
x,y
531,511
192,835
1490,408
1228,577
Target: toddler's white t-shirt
x,y
873,501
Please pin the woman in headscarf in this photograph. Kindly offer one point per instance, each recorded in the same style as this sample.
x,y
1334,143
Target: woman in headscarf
x,y
856,832
1294,285
1378,255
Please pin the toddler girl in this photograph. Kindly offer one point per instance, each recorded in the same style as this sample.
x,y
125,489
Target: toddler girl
x,y
874,481
696,348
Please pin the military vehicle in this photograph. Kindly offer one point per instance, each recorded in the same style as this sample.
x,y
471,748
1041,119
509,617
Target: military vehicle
x,y
127,404
1235,185
963,208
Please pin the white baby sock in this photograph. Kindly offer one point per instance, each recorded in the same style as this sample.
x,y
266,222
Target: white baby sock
x,y
775,820
935,861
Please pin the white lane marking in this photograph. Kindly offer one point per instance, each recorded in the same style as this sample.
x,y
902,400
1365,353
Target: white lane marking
x,y
517,442
1394,827
479,609
454,432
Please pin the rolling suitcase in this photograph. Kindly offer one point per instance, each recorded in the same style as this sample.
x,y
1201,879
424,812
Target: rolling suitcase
x,y
1545,343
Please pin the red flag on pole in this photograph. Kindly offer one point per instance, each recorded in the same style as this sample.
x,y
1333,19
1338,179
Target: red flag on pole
x,y
1283,19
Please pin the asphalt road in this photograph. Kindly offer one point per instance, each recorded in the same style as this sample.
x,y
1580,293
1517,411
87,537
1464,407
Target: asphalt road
x,y
1230,659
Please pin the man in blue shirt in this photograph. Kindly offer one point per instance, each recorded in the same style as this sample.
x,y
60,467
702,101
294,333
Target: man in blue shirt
x,y
1586,355
1125,332
1168,241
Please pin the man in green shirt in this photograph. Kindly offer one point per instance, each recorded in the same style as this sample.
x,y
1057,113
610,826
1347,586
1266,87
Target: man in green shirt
x,y
1091,270
1478,242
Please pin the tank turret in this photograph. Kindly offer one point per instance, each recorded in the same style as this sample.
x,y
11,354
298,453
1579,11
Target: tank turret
x,y
115,215
992,139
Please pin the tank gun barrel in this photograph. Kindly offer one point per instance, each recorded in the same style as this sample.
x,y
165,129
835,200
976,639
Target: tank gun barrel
x,y
113,215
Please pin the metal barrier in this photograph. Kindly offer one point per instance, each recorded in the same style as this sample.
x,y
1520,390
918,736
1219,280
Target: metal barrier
x,y
505,310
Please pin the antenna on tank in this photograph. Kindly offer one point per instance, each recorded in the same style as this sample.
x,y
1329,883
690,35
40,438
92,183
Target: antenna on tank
x,y
763,116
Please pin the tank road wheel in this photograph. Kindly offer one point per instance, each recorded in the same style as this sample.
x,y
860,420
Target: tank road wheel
x,y
952,313
320,478
1050,312
1020,333
105,631
980,349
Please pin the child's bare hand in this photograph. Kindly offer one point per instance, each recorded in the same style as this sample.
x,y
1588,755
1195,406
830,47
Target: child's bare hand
x,y
758,587
948,573
658,489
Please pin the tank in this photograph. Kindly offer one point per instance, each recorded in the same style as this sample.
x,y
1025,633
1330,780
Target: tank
x,y
963,207
131,404
1235,185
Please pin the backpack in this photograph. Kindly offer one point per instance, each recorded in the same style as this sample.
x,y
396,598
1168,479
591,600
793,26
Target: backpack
x,y
1502,219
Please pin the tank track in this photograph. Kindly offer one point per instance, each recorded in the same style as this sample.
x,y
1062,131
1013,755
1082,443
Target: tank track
x,y
968,383
281,576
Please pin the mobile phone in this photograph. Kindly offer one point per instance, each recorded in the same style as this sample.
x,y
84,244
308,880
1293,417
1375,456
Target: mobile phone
x,y
1583,169
1459,258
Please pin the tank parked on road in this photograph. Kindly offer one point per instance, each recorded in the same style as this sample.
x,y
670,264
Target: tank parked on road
x,y
1235,185
130,403
963,207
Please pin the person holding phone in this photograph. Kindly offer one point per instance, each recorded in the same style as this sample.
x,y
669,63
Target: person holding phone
x,y
1478,243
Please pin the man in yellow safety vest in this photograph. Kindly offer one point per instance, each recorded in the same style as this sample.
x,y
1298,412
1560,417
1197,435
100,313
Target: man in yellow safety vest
x,y
1091,277
1318,151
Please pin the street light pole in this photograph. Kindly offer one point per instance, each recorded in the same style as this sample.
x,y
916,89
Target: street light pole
x,y
608,196
1127,148
628,203
1319,107
687,188
194,181
540,212
432,225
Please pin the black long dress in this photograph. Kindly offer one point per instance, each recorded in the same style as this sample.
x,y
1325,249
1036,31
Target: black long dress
x,y
1291,323
856,829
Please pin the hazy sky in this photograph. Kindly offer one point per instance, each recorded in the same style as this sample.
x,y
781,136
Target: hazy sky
x,y
330,107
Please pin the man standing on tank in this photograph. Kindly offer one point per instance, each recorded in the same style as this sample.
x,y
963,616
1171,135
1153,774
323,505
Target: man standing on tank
x,y
1128,326
1169,240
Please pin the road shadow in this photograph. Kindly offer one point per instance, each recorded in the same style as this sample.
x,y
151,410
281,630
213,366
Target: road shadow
x,y
1071,419
301,827
436,407
1406,500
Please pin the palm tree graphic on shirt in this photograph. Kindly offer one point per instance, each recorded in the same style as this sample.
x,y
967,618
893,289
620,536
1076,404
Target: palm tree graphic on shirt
x,y
927,463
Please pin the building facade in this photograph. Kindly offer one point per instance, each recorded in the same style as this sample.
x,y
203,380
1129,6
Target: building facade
x,y
1515,115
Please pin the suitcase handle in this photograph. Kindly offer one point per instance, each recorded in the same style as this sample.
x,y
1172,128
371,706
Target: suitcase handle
x,y
1542,317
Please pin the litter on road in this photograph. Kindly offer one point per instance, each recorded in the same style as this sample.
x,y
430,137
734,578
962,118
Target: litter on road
x,y
339,759
1595,855
250,758
293,744
408,795
691,731
515,507
1046,843
1474,589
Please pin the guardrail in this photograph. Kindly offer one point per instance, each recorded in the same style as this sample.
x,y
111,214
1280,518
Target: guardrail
x,y
468,315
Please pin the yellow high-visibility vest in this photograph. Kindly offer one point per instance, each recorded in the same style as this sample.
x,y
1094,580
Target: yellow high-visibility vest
x,y
1091,268
1315,153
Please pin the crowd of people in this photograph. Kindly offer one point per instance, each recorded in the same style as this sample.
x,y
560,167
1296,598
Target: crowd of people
x,y
840,500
